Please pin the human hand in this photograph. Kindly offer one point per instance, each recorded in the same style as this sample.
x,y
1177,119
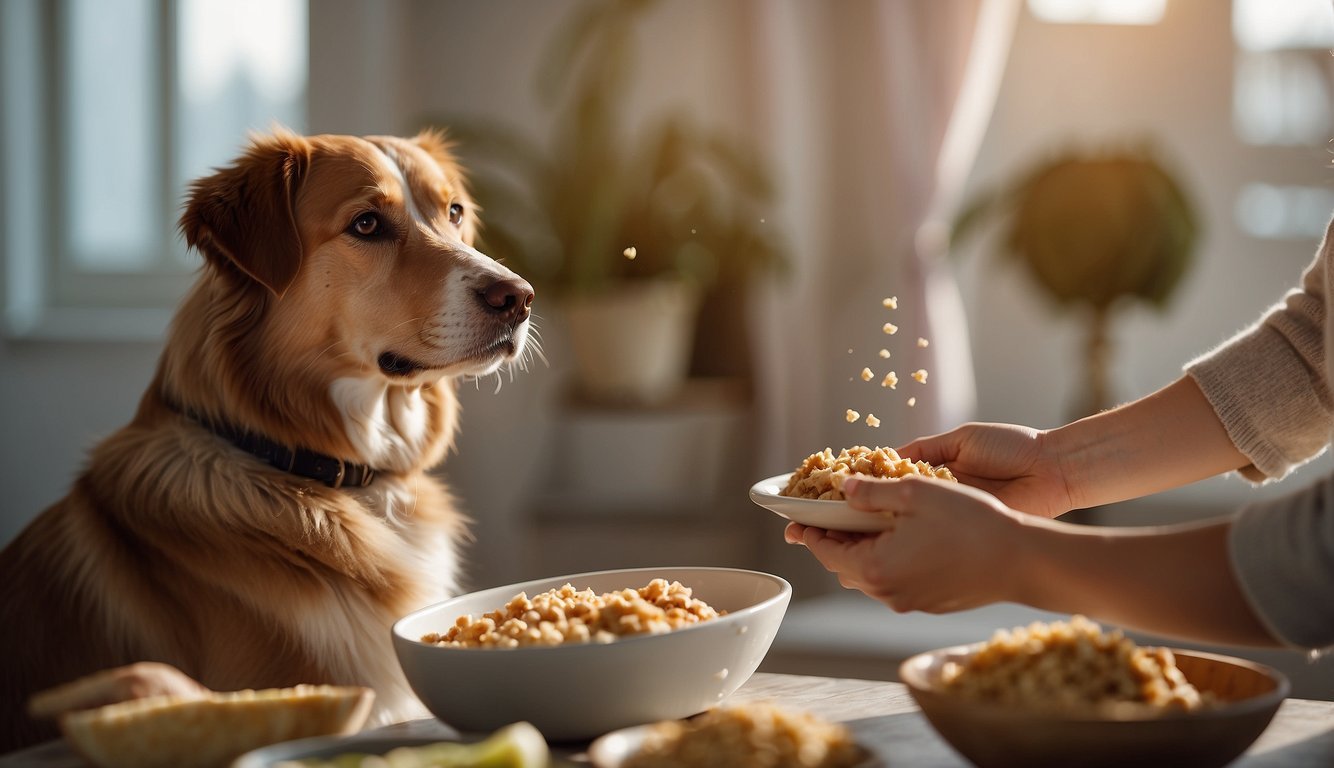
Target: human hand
x,y
1011,462
950,547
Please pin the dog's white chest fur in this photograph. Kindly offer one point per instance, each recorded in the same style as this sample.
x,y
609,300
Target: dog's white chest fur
x,y
387,425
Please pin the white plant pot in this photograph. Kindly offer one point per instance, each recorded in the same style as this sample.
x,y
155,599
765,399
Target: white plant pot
x,y
632,344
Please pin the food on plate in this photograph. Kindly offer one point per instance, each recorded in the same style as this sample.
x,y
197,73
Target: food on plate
x,y
758,734
1072,665
821,475
519,745
211,729
568,615
108,686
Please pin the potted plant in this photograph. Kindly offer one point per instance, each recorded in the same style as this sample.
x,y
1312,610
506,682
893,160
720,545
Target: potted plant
x,y
628,231
1094,230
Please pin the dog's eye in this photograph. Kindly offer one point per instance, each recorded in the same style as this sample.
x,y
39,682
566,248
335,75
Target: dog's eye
x,y
456,214
365,225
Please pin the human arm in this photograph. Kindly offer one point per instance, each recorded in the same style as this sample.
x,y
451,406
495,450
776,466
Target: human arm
x,y
953,547
1163,440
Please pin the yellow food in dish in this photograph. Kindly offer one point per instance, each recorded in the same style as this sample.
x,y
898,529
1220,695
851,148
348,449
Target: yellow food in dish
x,y
213,729
568,615
515,746
1072,665
760,735
821,475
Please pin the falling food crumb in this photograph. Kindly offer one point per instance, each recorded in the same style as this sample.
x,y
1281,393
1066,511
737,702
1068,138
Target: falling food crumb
x,y
852,415
849,350
912,401
692,231
884,354
630,252
867,375
871,420
891,303
891,329
920,375
923,342
891,380
761,221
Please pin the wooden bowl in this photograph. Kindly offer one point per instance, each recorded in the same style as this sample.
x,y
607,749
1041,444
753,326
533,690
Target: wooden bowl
x,y
993,736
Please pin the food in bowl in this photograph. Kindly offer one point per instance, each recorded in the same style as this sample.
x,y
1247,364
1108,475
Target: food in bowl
x,y
575,691
1072,666
757,734
821,475
568,615
211,728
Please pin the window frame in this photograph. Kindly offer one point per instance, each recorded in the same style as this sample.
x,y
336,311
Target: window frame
x,y
44,293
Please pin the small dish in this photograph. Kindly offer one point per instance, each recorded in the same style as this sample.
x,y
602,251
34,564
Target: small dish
x,y
817,513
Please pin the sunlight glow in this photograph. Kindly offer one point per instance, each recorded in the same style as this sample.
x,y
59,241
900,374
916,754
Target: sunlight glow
x,y
222,47
1098,11
1282,25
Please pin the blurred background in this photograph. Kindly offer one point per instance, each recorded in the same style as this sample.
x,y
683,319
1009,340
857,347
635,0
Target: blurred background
x,y
1069,199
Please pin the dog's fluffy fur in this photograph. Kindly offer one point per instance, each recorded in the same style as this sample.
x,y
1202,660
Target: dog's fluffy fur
x,y
339,303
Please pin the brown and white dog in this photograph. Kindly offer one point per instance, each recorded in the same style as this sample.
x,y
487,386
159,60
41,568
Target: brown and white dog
x,y
267,514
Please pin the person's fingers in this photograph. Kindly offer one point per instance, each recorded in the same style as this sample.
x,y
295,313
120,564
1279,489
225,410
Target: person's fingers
x,y
934,449
793,532
904,494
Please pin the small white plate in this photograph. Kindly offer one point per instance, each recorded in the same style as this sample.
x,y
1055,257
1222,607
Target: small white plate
x,y
818,513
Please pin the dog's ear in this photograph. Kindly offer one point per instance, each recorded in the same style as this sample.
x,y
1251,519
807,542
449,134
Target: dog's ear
x,y
441,150
244,215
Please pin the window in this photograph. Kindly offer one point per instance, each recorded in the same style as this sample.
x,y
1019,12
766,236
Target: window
x,y
1283,96
111,108
1098,11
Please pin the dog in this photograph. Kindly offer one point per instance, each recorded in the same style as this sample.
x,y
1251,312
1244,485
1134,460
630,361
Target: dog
x,y
268,513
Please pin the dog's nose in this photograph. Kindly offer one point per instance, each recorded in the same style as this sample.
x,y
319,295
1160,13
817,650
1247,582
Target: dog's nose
x,y
510,298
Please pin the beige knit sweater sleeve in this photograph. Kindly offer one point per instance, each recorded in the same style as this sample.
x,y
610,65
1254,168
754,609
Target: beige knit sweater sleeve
x,y
1269,383
1270,386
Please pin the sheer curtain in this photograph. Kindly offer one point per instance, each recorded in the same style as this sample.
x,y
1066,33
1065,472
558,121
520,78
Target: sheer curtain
x,y
875,112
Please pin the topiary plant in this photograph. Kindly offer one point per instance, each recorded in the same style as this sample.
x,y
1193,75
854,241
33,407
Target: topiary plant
x,y
1093,230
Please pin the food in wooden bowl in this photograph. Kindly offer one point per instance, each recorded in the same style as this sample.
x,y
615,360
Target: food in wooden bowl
x,y
1071,694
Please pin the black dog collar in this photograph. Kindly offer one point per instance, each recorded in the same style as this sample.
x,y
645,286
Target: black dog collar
x,y
333,472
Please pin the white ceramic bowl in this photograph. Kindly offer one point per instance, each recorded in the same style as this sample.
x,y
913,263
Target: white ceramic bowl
x,y
994,736
580,691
